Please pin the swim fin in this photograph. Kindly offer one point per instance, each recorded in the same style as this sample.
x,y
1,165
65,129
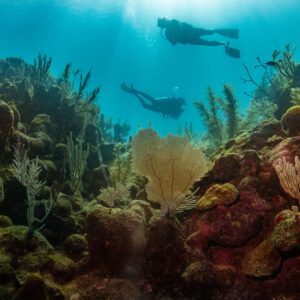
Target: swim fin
x,y
125,88
129,90
232,52
231,33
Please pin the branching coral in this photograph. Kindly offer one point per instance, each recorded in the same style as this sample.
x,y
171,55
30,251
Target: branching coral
x,y
76,158
27,173
289,176
40,70
120,172
171,166
113,194
72,97
121,177
286,66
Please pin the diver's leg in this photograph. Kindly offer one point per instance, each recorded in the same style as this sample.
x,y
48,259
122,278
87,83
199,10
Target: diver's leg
x,y
231,33
144,104
203,31
199,41
146,96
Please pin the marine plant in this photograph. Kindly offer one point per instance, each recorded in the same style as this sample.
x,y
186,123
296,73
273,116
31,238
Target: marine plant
x,y
83,83
113,132
258,111
72,96
295,96
65,85
121,130
66,73
189,131
93,95
268,87
106,125
121,178
224,122
171,166
289,176
285,65
76,159
27,172
219,131
121,169
112,195
211,118
198,140
40,69
229,106
280,76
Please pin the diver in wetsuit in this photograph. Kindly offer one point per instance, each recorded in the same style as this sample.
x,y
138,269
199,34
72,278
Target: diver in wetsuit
x,y
182,33
167,106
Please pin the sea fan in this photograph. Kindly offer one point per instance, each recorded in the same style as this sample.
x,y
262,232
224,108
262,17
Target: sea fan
x,y
171,166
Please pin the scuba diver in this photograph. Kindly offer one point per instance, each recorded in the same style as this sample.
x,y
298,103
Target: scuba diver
x,y
167,106
182,33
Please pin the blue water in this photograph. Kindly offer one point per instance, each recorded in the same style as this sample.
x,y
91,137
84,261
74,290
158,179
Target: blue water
x,y
120,41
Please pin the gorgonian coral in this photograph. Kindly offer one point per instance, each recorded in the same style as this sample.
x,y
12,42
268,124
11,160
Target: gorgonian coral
x,y
171,166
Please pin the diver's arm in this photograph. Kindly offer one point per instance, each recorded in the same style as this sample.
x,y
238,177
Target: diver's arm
x,y
172,32
171,36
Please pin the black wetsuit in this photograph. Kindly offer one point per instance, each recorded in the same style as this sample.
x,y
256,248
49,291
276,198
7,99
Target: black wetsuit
x,y
183,33
167,106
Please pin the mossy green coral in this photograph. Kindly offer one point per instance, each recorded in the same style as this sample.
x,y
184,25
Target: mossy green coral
x,y
1,190
291,120
5,221
75,244
286,233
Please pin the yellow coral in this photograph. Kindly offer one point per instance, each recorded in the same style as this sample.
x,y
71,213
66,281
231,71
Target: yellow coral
x,y
171,165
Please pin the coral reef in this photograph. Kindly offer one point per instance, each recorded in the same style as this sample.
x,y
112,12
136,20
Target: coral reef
x,y
151,218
